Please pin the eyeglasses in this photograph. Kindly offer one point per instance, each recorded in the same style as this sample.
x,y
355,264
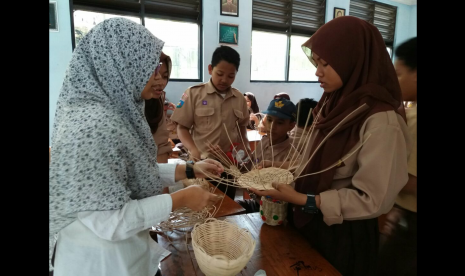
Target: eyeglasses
x,y
157,69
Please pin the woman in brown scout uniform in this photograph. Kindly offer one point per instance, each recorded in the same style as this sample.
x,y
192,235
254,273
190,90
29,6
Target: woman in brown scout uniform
x,y
364,124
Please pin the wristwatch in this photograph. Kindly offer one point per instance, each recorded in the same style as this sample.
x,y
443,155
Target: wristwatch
x,y
310,205
190,169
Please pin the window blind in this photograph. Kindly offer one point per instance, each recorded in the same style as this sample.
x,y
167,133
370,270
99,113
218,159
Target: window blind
x,y
288,16
381,15
186,10
307,15
126,7
183,10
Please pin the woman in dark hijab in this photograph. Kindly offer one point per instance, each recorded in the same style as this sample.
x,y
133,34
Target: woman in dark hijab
x,y
357,159
154,112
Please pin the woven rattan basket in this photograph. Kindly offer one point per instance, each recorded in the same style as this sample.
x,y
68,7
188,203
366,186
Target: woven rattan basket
x,y
221,248
262,179
273,212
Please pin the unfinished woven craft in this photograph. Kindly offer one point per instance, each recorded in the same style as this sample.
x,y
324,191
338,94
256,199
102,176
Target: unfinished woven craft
x,y
221,248
262,179
273,212
183,219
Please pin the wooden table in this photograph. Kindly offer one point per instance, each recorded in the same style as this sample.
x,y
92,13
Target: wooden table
x,y
279,251
227,205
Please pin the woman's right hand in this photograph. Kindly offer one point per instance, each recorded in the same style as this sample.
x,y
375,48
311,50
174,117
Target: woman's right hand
x,y
193,197
208,168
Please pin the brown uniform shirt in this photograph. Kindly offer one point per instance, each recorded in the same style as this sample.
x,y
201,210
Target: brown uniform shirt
x,y
405,200
203,110
161,137
283,151
370,178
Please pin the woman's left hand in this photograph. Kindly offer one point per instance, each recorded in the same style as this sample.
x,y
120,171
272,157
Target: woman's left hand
x,y
208,168
284,192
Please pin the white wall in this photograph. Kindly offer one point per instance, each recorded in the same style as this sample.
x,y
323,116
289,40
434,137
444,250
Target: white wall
x,y
413,21
60,51
331,4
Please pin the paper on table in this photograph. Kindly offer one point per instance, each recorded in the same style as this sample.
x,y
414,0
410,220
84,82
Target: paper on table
x,y
253,135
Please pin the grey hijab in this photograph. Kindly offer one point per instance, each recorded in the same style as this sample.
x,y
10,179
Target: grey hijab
x,y
103,153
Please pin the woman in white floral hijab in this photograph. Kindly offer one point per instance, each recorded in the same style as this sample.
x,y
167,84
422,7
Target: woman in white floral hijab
x,y
105,184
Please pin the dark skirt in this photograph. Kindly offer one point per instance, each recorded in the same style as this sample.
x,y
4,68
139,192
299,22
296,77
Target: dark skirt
x,y
351,247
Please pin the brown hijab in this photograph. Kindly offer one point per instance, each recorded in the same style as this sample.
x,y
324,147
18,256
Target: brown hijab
x,y
356,51
154,107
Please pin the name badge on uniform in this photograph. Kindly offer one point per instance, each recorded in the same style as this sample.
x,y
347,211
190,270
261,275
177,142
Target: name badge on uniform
x,y
204,102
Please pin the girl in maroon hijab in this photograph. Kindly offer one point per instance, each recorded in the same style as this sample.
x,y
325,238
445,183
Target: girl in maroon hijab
x,y
154,111
360,125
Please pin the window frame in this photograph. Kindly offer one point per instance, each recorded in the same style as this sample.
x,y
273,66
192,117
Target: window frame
x,y
288,32
141,14
371,18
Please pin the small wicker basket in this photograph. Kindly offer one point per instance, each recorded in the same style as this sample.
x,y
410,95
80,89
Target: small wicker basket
x,y
273,212
221,248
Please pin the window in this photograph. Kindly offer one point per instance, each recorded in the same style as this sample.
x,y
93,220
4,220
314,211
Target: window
x,y
176,22
381,15
279,28
300,68
181,44
86,20
266,63
389,49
